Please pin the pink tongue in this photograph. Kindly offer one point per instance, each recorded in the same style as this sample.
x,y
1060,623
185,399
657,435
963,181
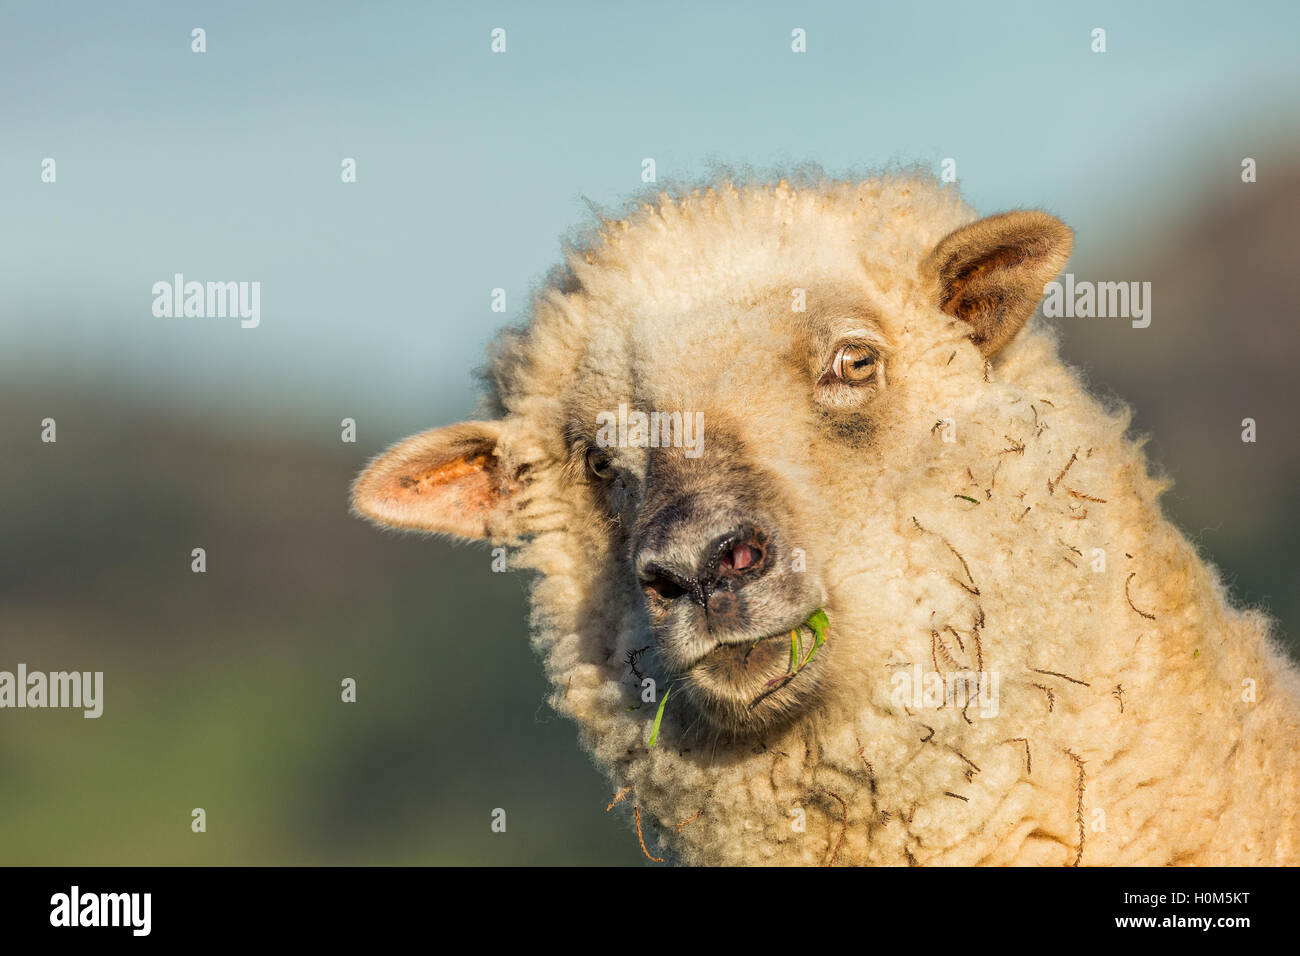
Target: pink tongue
x,y
742,556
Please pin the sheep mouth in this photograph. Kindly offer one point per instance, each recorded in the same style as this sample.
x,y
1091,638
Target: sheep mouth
x,y
741,663
753,670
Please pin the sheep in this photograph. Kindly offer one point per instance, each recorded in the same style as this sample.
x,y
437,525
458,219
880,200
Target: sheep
x,y
1024,662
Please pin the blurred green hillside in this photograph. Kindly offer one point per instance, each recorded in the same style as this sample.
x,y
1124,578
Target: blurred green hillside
x,y
222,690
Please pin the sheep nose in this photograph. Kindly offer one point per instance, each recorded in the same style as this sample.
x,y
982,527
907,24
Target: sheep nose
x,y
726,563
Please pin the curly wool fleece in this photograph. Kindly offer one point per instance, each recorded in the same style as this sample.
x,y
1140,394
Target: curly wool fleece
x,y
995,520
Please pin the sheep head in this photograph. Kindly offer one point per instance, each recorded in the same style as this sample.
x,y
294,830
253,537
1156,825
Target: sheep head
x,y
708,417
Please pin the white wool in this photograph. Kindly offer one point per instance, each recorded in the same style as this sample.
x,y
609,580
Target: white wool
x,y
1125,731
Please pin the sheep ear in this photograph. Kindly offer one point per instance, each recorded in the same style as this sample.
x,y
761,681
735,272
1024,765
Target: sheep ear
x,y
449,480
991,273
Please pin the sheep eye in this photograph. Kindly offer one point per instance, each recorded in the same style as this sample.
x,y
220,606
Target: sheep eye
x,y
599,464
854,364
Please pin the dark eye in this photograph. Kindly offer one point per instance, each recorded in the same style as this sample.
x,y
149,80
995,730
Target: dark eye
x,y
599,464
854,364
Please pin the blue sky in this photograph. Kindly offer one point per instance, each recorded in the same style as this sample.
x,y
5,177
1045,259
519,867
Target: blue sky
x,y
471,166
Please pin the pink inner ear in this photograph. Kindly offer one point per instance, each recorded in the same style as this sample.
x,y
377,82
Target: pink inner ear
x,y
459,495
461,484
446,480
443,474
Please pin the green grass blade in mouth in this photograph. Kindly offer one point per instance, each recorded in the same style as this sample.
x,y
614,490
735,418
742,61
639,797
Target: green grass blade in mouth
x,y
819,625
659,716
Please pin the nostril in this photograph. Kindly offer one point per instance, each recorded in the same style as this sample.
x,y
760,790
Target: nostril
x,y
740,558
740,553
730,561
659,583
664,588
